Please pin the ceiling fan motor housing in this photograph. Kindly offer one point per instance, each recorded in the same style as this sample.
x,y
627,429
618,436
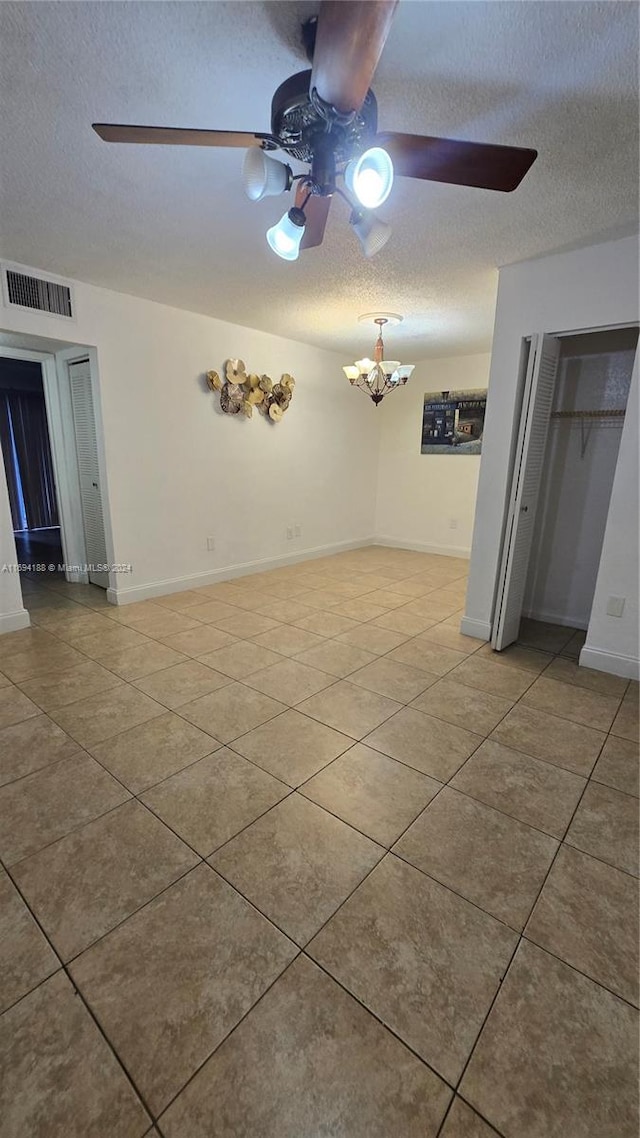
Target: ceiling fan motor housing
x,y
306,133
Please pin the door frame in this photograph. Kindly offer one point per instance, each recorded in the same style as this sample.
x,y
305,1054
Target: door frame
x,y
59,412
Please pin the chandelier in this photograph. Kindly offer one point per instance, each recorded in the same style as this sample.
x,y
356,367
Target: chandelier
x,y
377,377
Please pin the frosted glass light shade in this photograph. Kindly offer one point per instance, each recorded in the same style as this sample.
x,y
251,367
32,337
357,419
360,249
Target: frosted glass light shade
x,y
402,373
352,372
370,177
364,366
372,233
263,176
285,237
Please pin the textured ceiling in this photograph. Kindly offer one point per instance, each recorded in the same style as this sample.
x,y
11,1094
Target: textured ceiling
x,y
174,225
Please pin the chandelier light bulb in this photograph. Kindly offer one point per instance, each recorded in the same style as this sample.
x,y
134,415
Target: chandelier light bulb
x,y
285,237
263,176
370,177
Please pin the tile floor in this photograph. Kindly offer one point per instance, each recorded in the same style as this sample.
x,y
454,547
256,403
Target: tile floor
x,y
288,856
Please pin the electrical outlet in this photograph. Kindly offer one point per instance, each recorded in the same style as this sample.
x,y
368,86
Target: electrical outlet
x,y
615,606
289,533
297,530
211,543
453,523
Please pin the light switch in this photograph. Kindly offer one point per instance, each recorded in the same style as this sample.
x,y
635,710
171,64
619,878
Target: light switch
x,y
615,606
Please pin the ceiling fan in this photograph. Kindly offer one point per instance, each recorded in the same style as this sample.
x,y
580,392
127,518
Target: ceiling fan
x,y
327,118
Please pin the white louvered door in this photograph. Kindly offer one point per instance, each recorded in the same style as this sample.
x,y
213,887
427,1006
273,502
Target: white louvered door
x,y
527,475
87,452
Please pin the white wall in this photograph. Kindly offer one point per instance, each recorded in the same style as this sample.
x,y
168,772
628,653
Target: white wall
x,y
594,373
178,470
584,289
612,642
419,495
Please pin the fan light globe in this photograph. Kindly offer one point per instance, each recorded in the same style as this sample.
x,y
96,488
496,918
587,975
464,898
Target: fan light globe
x,y
263,176
285,237
370,177
372,233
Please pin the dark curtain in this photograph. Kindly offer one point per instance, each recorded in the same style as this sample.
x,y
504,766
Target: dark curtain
x,y
23,415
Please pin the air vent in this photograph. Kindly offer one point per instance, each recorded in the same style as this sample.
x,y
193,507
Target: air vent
x,y
45,294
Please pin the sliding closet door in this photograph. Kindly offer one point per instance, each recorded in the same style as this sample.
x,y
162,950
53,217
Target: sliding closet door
x,y
527,474
87,452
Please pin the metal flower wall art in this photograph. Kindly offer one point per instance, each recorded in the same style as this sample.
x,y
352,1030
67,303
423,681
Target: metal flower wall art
x,y
240,392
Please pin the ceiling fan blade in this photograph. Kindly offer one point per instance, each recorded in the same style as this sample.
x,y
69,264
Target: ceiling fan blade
x,y
177,136
349,41
316,212
459,163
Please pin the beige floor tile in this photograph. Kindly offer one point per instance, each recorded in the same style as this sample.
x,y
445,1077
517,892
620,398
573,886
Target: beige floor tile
x,y
570,702
69,626
618,765
31,745
241,659
309,1060
61,688
102,644
376,640
432,658
26,958
152,751
569,672
297,864
337,658
475,710
92,879
90,721
246,624
288,640
230,712
199,640
515,656
397,620
626,724
290,681
15,706
134,614
463,1122
425,743
326,623
48,1042
212,610
388,677
350,709
573,649
162,622
556,1056
402,944
545,736
206,952
587,914
359,609
386,598
180,602
606,825
535,792
141,660
547,637
492,860
211,800
377,795
450,637
46,805
292,747
507,682
24,640
41,660
288,609
181,683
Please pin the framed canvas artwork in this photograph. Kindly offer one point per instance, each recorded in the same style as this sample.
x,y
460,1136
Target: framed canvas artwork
x,y
453,422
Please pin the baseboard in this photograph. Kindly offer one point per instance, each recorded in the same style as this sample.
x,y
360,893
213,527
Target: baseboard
x,y
626,666
14,621
556,618
424,547
480,629
124,596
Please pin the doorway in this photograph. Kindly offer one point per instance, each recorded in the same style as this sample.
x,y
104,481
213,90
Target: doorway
x,y
575,395
28,461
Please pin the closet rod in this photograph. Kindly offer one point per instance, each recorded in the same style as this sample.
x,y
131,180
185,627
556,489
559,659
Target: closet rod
x,y
616,412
